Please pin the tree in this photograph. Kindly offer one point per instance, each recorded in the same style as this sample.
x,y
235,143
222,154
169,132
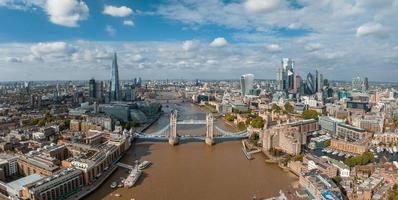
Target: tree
x,y
257,122
241,126
310,114
363,159
289,108
229,117
275,108
326,143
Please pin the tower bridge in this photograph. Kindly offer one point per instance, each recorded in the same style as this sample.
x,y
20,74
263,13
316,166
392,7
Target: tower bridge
x,y
169,132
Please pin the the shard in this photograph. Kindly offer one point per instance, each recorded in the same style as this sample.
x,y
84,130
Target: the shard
x,y
115,89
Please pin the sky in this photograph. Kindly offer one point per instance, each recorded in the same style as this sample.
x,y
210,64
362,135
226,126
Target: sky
x,y
189,39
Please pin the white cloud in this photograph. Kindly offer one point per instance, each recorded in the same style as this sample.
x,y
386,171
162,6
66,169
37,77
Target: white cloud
x,y
219,42
128,23
274,48
110,30
51,49
313,47
368,29
67,12
190,45
211,61
137,58
114,11
261,5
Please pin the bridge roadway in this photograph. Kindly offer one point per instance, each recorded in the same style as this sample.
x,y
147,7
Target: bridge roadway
x,y
124,165
237,136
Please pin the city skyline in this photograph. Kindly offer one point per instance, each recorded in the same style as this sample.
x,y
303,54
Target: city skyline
x,y
75,40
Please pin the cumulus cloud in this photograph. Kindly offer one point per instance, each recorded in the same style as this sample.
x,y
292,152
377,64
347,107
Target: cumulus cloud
x,y
51,49
219,42
137,58
67,12
190,45
128,23
274,48
261,5
110,30
371,29
313,47
114,11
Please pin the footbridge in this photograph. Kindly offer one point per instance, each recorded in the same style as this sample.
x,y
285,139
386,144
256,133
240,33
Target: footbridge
x,y
169,132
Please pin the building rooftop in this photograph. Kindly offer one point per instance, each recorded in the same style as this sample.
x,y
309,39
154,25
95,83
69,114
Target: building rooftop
x,y
17,185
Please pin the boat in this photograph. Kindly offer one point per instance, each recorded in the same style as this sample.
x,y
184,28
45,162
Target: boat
x,y
144,165
341,154
113,185
118,195
132,177
395,149
335,153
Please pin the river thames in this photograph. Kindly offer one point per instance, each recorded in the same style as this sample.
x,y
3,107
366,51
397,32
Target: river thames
x,y
195,171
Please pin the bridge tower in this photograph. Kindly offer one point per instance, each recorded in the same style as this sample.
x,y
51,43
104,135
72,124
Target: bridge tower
x,y
173,139
210,129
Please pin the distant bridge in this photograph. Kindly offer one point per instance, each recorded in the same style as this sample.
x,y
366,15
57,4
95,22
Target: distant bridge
x,y
169,132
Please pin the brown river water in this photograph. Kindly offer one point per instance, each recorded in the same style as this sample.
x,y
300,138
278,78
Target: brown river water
x,y
195,171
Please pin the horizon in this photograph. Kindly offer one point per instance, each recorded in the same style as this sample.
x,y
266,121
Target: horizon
x,y
75,40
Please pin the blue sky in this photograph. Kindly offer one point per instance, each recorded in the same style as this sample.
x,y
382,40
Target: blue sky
x,y
213,39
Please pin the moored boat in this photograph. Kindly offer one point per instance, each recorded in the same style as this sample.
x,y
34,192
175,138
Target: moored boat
x,y
144,165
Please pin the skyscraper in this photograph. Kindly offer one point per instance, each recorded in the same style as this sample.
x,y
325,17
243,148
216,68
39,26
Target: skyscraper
x,y
310,84
297,83
319,81
115,88
246,83
285,75
92,89
357,84
365,86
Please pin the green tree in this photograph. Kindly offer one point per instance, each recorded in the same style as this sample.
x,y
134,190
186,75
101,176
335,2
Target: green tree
x,y
310,114
241,126
257,122
289,108
229,117
275,108
326,143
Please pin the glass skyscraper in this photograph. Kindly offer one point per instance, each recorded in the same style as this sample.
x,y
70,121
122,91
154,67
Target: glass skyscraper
x,y
115,88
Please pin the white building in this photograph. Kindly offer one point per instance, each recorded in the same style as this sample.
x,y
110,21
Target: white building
x,y
246,83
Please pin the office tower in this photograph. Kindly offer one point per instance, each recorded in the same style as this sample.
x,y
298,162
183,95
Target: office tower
x,y
297,83
246,83
326,82
319,81
357,84
310,84
285,75
365,84
115,88
92,89
99,91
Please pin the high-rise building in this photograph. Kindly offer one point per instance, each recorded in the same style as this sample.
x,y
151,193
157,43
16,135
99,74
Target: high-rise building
x,y
99,91
365,86
297,83
310,84
319,81
285,75
357,84
246,83
115,88
92,89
